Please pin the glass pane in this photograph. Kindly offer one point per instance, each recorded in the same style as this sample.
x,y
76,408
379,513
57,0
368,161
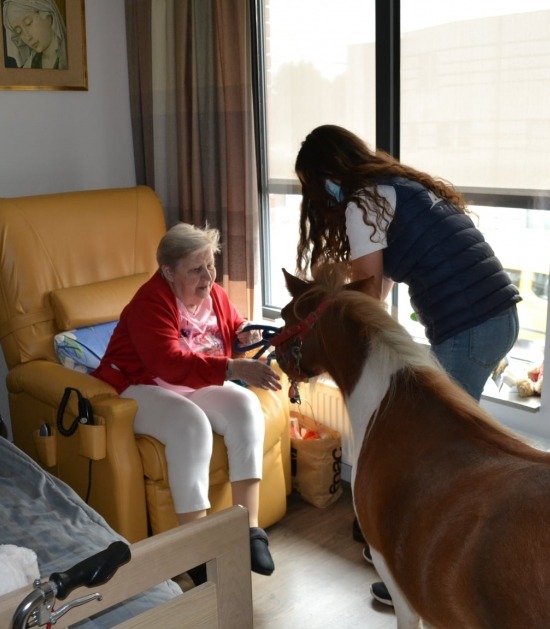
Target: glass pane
x,y
284,221
320,68
475,87
519,238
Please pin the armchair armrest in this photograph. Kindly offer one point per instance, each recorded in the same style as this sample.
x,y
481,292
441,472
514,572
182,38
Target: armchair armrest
x,y
116,483
47,380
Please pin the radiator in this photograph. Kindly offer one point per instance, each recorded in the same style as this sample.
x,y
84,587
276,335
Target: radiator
x,y
322,400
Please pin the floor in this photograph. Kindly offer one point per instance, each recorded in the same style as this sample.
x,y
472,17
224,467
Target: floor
x,y
321,579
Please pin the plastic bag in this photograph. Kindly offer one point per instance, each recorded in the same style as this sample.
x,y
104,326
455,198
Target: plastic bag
x,y
316,455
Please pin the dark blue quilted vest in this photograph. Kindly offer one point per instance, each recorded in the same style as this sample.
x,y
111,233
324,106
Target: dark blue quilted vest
x,y
455,280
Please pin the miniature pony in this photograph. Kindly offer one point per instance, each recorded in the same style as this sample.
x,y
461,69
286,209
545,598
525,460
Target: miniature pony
x,y
455,508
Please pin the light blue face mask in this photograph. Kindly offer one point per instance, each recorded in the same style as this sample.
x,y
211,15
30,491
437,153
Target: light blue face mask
x,y
334,190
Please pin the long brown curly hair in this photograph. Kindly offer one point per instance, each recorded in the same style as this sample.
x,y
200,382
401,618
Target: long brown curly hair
x,y
332,152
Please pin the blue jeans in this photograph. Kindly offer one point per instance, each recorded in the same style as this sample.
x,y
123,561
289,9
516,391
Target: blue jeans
x,y
471,356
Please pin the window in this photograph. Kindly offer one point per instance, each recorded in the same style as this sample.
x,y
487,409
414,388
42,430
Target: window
x,y
472,93
319,67
472,112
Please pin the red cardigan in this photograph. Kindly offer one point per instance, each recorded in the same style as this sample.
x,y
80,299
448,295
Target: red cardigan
x,y
145,344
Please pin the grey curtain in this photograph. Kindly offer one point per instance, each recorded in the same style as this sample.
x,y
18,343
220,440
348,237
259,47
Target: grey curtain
x,y
193,126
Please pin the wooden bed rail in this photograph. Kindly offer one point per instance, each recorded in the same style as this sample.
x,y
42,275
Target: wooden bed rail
x,y
220,540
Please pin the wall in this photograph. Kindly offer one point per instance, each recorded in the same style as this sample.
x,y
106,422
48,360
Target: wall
x,y
57,141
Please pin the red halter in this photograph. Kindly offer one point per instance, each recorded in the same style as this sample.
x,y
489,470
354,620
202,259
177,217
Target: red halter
x,y
292,358
302,328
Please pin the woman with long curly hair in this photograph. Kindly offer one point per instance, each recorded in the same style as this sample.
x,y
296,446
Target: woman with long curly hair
x,y
394,223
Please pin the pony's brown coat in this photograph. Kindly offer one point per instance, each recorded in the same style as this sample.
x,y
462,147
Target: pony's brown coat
x,y
458,508
457,505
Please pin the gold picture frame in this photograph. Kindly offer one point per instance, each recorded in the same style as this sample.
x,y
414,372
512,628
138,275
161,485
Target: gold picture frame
x,y
43,45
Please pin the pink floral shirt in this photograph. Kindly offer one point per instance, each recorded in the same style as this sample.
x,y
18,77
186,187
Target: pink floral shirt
x,y
199,334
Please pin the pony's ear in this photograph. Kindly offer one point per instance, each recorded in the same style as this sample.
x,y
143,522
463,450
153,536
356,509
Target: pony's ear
x,y
295,285
364,286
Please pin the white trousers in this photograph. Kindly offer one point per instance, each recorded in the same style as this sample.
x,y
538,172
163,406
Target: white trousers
x,y
184,424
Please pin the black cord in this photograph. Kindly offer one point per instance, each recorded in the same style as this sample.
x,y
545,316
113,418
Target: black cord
x,y
85,416
88,491
85,413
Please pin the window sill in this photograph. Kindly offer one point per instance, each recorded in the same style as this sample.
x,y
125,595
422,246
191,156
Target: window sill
x,y
512,399
507,396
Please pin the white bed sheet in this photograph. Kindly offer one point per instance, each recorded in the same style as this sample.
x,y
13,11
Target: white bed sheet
x,y
40,512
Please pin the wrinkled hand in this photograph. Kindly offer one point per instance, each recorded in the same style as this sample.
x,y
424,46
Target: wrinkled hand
x,y
249,337
256,373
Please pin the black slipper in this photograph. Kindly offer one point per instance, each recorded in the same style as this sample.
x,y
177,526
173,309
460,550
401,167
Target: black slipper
x,y
198,574
261,561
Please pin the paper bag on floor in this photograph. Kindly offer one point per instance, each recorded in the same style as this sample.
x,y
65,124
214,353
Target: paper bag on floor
x,y
316,461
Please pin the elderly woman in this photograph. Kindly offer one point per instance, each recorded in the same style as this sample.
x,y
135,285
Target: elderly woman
x,y
171,352
36,34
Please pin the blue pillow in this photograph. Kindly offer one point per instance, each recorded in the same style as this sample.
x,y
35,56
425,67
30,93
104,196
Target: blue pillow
x,y
81,349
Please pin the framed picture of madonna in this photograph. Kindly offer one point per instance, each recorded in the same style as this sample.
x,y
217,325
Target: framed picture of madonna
x,y
43,45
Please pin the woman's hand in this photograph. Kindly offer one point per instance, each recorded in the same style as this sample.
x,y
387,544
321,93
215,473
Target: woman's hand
x,y
256,373
248,337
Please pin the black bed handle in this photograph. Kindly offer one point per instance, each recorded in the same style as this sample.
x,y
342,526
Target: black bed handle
x,y
94,570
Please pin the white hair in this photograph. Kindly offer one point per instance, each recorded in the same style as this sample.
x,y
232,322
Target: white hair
x,y
183,239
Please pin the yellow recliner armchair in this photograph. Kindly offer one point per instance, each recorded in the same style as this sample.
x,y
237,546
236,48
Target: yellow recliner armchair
x,y
75,259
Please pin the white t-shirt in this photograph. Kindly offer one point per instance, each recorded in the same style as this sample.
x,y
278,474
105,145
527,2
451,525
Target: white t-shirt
x,y
359,234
